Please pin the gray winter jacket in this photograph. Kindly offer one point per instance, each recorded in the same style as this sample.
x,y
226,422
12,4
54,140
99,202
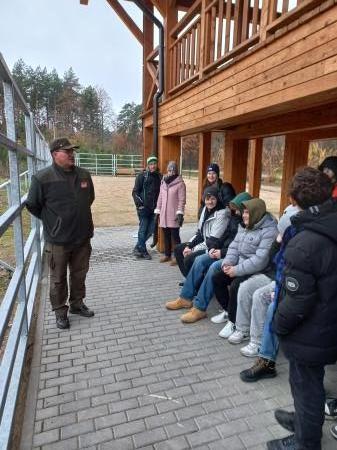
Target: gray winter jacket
x,y
249,251
214,226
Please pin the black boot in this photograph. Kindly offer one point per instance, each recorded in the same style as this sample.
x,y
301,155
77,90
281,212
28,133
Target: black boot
x,y
81,310
263,368
62,321
287,443
285,419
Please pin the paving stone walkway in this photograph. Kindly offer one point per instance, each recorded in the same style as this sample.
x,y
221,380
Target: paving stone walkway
x,y
135,377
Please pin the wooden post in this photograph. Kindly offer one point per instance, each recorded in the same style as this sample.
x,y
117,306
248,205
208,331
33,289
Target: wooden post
x,y
268,14
204,159
147,49
170,20
169,149
148,143
235,162
295,155
204,38
255,166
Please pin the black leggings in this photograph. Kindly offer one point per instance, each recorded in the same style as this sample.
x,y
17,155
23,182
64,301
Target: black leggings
x,y
185,262
227,297
171,236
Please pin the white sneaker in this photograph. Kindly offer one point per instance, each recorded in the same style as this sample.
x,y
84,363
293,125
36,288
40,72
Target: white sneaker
x,y
220,318
237,337
251,350
227,330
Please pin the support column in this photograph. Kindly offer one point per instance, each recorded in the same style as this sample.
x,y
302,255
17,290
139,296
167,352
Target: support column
x,y
295,155
169,149
205,141
147,142
235,162
255,166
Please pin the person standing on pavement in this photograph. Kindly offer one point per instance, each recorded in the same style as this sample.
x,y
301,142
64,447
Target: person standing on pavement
x,y
170,207
145,195
306,315
61,196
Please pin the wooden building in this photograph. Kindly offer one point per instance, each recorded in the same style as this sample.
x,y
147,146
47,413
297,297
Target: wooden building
x,y
248,68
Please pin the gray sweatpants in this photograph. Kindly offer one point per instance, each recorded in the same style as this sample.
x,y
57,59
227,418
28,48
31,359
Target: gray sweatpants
x,y
254,297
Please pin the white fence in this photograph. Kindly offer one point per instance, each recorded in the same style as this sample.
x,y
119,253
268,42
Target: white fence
x,y
18,301
109,164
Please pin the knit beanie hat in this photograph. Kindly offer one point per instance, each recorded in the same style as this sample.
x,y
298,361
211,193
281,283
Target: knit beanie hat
x,y
172,167
214,168
151,159
211,191
284,221
329,163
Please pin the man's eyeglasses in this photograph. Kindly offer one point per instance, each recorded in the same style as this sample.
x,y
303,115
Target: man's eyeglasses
x,y
69,152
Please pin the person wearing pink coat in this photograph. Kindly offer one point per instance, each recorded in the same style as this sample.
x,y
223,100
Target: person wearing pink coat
x,y
170,207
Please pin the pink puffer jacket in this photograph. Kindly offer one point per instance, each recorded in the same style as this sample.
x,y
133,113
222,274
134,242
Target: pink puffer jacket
x,y
171,201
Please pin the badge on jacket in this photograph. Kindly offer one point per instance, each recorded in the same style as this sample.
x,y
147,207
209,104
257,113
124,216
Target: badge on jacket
x,y
292,284
84,184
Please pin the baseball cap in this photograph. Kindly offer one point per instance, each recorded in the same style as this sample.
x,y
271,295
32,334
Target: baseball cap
x,y
61,144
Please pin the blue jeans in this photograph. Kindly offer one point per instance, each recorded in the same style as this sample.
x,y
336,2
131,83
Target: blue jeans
x,y
270,343
145,230
202,272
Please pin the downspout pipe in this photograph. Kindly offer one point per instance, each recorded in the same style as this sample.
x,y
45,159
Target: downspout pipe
x,y
157,96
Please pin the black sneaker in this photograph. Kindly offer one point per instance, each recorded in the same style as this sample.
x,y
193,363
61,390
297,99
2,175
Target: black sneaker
x,y
330,408
62,322
136,252
146,256
285,419
287,443
82,310
263,368
333,431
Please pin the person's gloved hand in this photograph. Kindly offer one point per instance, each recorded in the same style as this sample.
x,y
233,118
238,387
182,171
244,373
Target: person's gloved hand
x,y
180,219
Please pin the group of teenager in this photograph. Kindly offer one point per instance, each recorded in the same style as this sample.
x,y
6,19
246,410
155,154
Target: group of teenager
x,y
275,281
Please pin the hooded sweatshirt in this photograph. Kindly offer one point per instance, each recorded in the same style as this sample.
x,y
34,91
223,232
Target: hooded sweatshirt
x,y
249,252
307,311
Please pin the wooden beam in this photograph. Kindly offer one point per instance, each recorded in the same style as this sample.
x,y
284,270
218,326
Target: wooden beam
x,y
126,19
235,162
205,140
160,6
84,2
295,155
255,167
306,120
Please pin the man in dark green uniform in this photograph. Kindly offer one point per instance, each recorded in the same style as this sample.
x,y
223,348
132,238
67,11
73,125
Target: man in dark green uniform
x,y
61,196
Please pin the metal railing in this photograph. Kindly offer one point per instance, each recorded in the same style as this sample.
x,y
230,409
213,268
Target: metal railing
x,y
18,301
109,164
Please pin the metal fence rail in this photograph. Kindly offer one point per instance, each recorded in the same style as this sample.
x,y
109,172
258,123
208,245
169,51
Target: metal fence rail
x,y
19,298
109,164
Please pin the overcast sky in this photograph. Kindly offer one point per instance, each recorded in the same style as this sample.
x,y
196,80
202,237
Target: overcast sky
x,y
91,39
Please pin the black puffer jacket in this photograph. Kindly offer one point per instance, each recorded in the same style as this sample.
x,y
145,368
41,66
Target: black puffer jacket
x,y
146,190
306,318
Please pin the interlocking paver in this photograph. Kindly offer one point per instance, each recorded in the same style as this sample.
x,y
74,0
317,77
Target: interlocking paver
x,y
134,376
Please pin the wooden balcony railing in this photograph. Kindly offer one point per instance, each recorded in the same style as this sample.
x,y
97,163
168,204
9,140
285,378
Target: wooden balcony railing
x,y
214,32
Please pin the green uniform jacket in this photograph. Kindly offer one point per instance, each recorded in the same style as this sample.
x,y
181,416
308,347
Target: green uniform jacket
x,y
62,200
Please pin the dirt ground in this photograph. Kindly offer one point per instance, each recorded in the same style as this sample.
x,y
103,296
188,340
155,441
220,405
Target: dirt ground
x,y
114,204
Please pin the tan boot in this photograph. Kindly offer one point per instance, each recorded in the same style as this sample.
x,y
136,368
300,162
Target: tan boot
x,y
173,262
193,316
164,259
179,303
